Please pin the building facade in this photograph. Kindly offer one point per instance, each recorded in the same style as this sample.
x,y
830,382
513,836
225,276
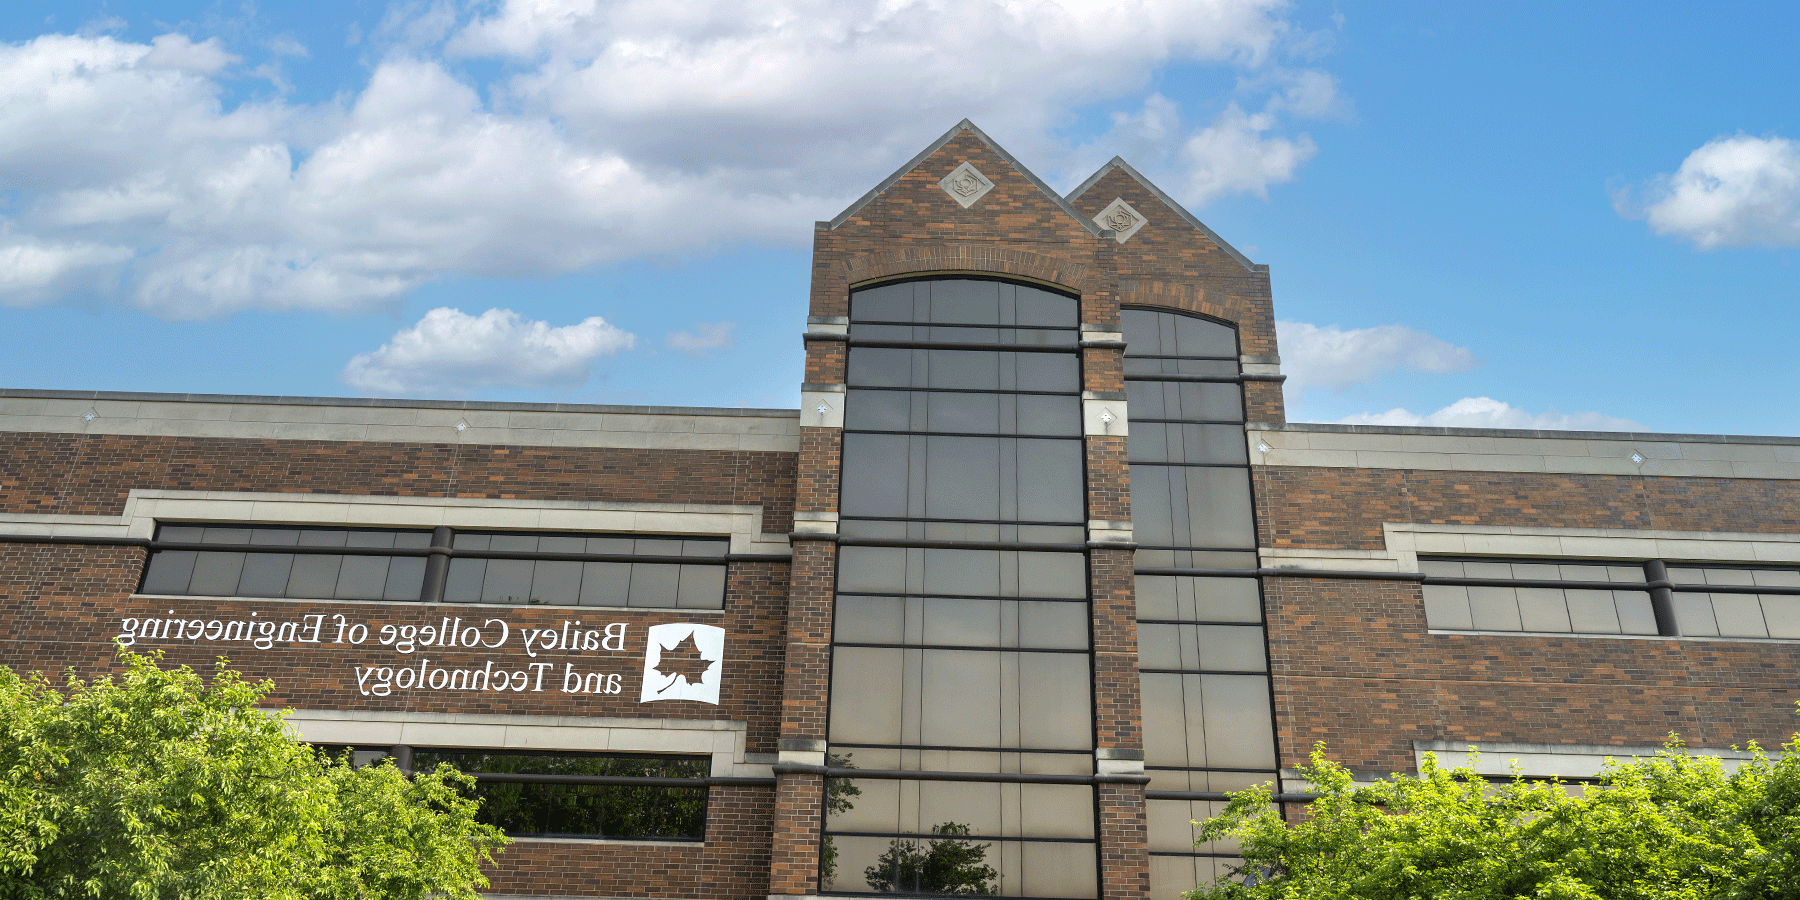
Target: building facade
x,y
1036,571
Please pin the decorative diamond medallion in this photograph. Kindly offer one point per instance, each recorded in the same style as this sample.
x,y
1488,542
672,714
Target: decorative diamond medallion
x,y
1119,218
965,184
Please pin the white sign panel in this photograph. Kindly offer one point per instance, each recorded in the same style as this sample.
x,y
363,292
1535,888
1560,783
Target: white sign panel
x,y
683,662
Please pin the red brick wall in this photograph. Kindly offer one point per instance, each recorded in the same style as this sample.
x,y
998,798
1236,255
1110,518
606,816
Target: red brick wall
x,y
61,605
1356,668
91,474
1330,508
732,863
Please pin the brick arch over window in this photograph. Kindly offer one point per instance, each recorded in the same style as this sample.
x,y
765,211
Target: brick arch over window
x,y
951,258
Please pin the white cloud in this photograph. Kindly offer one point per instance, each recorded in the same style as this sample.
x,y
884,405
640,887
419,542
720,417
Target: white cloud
x,y
626,129
1733,192
706,339
1486,412
34,272
1335,358
1233,156
452,352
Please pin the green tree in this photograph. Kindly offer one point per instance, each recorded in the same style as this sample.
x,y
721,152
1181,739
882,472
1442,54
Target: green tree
x,y
159,784
1675,827
934,866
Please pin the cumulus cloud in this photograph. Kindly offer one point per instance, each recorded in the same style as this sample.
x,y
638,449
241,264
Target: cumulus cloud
x,y
1335,358
452,352
1732,192
706,339
622,129
1486,412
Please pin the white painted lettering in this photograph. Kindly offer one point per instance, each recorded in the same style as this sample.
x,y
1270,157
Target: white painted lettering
x,y
317,623
613,684
538,685
359,633
387,634
505,631
570,678
615,637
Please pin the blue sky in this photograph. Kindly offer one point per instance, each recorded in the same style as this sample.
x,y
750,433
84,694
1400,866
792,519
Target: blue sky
x,y
1517,215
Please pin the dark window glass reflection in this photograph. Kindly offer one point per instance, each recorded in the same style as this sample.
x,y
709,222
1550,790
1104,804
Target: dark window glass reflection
x,y
570,810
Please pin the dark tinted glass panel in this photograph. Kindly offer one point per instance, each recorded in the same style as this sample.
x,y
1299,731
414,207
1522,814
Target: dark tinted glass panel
x,y
613,811
1216,648
1220,721
964,301
994,808
961,698
977,370
968,621
1003,573
256,572
967,413
959,865
1180,443
1190,400
1191,506
1194,599
1150,333
951,477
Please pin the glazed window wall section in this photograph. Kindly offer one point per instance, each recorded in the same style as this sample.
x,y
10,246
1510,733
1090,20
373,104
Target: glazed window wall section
x,y
1625,609
1739,601
622,811
298,563
969,650
974,660
250,563
1706,614
1202,652
952,837
965,310
613,582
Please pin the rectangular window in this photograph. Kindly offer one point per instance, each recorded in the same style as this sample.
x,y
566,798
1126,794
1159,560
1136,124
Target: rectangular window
x,y
948,477
1578,596
621,811
1737,614
485,567
972,370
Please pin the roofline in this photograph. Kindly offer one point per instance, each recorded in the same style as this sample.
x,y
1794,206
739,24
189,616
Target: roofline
x,y
395,403
1118,162
965,125
1533,433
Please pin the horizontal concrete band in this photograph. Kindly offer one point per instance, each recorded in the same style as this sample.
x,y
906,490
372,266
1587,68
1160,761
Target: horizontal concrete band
x,y
1405,542
723,740
1553,760
1497,450
399,421
145,508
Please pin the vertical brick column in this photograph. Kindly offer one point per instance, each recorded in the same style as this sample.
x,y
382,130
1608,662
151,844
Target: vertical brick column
x,y
806,680
1118,713
1118,726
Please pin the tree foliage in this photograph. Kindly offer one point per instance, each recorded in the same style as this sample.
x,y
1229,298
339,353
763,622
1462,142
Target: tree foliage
x,y
1675,827
160,784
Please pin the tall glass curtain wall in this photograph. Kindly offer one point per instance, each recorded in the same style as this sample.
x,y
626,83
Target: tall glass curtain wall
x,y
1208,724
961,640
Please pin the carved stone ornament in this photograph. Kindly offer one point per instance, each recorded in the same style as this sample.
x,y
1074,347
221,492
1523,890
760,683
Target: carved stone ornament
x,y
965,184
1120,219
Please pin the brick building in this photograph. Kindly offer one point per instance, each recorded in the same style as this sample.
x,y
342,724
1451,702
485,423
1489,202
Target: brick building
x,y
1035,572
